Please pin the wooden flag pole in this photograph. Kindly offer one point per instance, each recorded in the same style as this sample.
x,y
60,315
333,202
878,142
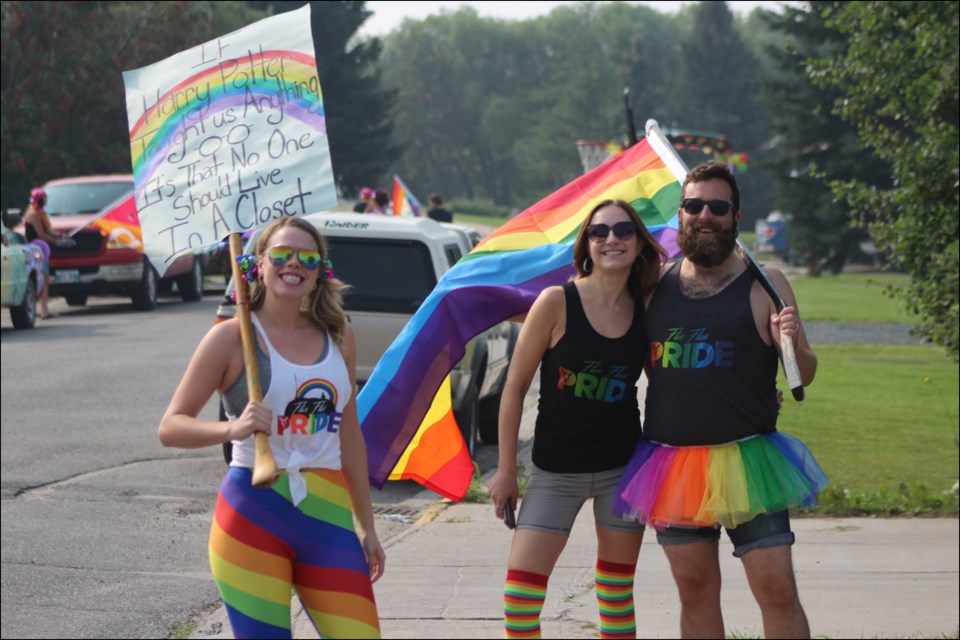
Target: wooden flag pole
x,y
265,472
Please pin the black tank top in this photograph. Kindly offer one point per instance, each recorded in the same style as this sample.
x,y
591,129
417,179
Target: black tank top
x,y
712,377
30,232
588,419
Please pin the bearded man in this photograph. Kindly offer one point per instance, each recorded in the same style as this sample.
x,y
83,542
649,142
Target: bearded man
x,y
711,456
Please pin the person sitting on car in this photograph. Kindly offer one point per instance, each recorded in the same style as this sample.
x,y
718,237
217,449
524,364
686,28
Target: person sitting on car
x,y
39,231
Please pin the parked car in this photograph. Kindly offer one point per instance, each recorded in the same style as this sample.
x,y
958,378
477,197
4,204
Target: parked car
x,y
20,279
116,265
392,264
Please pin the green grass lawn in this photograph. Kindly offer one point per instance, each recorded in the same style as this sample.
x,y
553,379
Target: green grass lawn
x,y
880,416
849,297
881,419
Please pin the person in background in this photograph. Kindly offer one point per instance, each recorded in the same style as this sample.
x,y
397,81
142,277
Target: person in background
x,y
711,455
380,203
366,197
300,533
589,341
436,211
39,231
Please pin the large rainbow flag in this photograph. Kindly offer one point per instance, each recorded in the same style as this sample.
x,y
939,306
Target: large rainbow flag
x,y
499,279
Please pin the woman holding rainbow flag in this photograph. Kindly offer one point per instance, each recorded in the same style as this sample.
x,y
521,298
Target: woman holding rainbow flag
x,y
588,338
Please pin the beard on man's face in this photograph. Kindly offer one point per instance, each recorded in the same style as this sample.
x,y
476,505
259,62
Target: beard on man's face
x,y
709,250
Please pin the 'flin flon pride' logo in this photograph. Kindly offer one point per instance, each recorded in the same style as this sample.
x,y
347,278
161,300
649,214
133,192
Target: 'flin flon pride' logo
x,y
593,385
691,350
312,411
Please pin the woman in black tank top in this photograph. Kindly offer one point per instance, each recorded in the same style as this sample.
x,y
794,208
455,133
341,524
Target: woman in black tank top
x,y
588,340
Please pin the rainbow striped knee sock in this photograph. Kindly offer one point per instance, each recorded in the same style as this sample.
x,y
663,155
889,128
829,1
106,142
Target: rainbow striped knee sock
x,y
615,599
523,596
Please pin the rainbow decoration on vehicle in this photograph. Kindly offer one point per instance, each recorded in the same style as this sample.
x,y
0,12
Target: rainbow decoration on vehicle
x,y
120,225
281,81
404,202
499,279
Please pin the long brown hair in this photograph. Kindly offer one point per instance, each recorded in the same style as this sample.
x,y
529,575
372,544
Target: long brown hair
x,y
325,303
646,268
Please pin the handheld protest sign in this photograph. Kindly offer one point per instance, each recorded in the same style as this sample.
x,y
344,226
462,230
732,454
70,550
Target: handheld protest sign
x,y
677,166
225,138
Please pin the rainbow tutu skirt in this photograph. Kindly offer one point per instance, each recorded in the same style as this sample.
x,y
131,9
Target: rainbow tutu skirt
x,y
725,485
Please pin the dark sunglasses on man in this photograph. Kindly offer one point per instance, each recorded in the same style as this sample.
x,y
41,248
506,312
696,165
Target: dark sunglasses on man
x,y
693,206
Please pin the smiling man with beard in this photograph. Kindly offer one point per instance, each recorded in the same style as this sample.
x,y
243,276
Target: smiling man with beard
x,y
711,455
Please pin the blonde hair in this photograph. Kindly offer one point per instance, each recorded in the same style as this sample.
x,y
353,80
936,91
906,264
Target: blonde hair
x,y
325,303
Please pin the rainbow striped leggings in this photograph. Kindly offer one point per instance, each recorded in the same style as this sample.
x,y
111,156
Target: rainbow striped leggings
x,y
262,547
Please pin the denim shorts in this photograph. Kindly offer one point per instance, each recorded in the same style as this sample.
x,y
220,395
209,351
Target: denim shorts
x,y
766,530
552,501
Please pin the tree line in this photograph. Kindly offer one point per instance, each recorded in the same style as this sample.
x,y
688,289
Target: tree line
x,y
847,111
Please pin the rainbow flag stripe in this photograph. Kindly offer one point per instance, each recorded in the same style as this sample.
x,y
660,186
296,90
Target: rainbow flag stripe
x,y
438,457
501,278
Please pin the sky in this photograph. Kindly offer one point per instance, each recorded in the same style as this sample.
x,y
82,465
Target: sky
x,y
387,16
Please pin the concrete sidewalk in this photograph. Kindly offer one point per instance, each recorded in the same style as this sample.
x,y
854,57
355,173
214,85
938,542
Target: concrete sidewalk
x,y
858,577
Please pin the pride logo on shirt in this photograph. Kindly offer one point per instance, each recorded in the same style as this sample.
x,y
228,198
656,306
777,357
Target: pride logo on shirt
x,y
691,349
312,411
592,383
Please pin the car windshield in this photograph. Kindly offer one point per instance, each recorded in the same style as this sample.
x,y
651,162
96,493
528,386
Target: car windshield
x,y
83,197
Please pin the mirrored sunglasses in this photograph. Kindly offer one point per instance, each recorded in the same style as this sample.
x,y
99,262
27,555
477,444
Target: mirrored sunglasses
x,y
309,258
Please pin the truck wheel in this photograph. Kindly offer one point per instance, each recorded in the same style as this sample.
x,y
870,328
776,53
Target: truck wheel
x,y
145,297
191,284
490,419
76,299
469,418
24,315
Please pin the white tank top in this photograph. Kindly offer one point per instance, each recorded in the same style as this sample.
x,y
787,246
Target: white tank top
x,y
307,403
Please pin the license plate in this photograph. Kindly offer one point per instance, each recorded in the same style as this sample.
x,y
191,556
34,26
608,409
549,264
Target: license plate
x,y
66,276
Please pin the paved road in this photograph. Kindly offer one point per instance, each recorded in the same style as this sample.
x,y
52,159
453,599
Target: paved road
x,y
103,530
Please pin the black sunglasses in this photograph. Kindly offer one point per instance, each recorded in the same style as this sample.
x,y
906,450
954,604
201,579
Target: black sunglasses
x,y
694,206
623,230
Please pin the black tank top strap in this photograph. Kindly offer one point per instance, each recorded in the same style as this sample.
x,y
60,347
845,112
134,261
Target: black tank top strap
x,y
576,317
